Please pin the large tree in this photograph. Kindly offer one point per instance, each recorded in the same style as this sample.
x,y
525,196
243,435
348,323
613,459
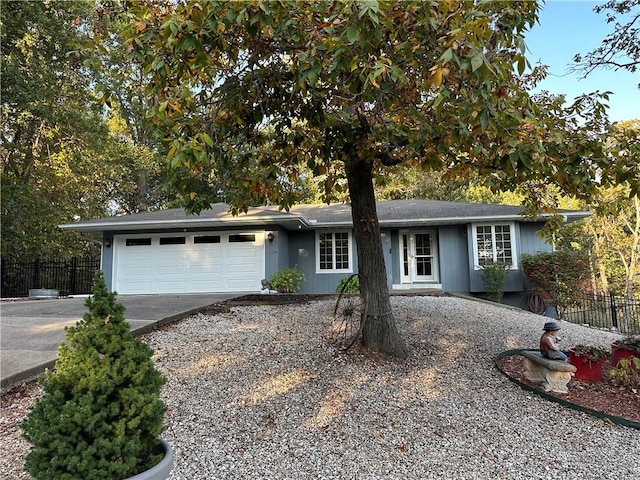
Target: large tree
x,y
620,49
50,123
348,89
62,159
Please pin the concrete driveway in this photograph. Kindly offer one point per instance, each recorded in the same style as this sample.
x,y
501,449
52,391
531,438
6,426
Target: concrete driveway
x,y
31,330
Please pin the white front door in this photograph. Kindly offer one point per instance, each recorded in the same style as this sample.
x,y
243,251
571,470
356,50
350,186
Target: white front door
x,y
419,258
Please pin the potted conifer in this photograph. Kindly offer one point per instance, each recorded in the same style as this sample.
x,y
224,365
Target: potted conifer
x,y
101,415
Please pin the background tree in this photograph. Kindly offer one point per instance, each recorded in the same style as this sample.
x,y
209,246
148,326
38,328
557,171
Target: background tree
x,y
138,155
50,121
63,159
348,89
612,234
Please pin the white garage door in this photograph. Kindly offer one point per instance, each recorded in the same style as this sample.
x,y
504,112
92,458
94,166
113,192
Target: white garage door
x,y
189,263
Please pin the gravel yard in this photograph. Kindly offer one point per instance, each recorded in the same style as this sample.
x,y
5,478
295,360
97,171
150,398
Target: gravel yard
x,y
258,393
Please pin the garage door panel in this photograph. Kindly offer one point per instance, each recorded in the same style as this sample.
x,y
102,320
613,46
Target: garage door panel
x,y
137,278
171,286
139,260
208,262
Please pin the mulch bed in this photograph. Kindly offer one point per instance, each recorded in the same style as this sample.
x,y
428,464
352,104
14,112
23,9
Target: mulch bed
x,y
603,395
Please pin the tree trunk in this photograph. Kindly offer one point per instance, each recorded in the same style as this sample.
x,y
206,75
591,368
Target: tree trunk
x,y
142,191
379,331
597,248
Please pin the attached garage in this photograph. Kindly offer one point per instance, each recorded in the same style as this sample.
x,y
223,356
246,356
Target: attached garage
x,y
188,263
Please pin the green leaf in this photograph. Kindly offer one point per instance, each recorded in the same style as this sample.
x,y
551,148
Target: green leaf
x,y
352,34
477,61
447,56
157,64
206,139
312,77
484,120
525,160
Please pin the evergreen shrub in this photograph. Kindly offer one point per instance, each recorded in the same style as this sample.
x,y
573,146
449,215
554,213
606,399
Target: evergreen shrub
x,y
101,415
494,275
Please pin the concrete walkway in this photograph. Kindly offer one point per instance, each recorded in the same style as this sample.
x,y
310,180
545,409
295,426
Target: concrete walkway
x,y
31,330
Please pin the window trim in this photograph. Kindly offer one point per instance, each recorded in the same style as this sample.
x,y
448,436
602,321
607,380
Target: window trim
x,y
474,240
333,252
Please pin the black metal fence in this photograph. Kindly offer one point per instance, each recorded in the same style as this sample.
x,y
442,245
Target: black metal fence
x,y
604,310
70,277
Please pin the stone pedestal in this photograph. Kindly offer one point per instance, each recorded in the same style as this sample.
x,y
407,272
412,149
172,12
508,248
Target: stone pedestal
x,y
553,374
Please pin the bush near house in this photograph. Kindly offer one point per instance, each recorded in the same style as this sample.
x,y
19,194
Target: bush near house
x,y
287,280
352,284
557,276
494,275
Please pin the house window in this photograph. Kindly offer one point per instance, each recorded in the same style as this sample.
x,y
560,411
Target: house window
x,y
333,252
494,244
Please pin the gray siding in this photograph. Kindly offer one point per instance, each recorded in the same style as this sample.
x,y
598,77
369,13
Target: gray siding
x,y
530,241
276,252
389,256
526,240
453,258
302,252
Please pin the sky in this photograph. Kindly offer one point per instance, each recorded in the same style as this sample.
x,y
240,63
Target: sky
x,y
568,27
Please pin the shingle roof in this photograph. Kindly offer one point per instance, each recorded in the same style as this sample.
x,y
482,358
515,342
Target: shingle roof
x,y
390,213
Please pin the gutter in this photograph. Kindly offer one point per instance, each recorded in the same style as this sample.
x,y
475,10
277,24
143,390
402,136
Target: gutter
x,y
179,223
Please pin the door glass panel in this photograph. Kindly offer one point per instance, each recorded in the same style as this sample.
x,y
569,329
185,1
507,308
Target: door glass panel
x,y
423,266
405,254
207,239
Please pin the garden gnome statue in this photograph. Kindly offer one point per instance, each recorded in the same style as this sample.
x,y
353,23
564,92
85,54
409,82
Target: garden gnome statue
x,y
549,342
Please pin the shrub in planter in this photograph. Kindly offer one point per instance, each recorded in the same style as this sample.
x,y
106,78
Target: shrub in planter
x,y
588,361
101,415
287,280
628,347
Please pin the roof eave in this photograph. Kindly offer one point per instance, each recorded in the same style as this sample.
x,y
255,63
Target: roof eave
x,y
290,223
295,222
568,217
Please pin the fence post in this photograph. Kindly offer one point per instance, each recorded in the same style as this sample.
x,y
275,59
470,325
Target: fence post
x,y
614,312
35,279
